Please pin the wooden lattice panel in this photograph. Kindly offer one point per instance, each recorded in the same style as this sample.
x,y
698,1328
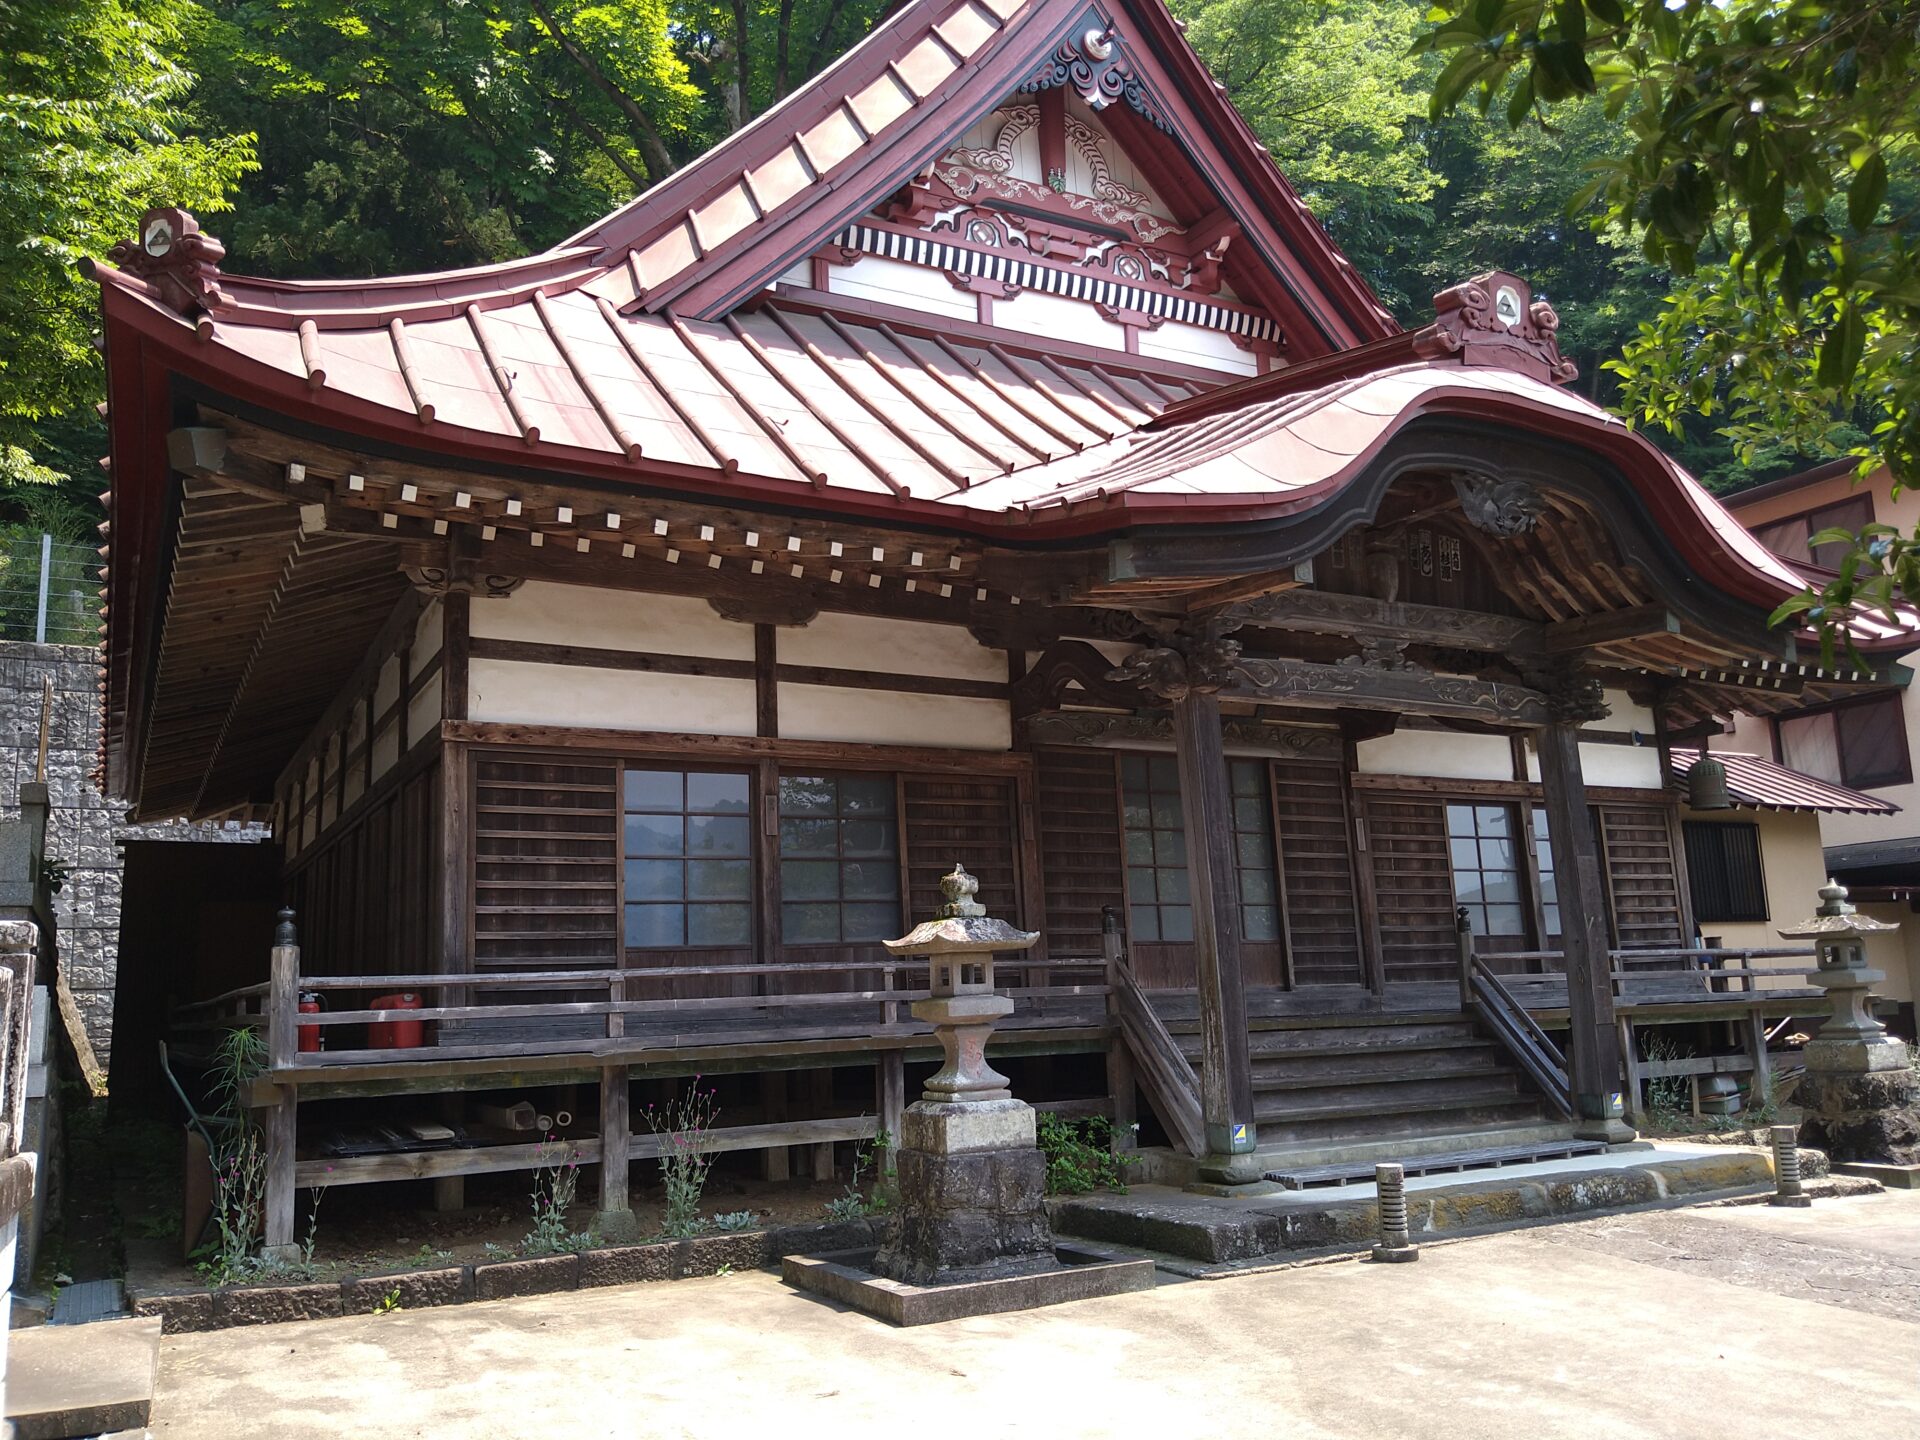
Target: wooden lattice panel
x,y
1316,867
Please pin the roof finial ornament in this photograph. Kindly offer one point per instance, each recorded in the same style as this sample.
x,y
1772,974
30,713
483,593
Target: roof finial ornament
x,y
178,259
1493,319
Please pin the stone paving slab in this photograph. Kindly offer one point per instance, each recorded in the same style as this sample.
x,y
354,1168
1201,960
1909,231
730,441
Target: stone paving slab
x,y
1515,1336
69,1380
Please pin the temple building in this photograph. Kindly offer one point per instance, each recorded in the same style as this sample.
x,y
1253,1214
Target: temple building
x,y
982,457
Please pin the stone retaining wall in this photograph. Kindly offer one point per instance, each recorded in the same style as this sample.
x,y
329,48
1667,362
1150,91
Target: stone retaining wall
x,y
84,832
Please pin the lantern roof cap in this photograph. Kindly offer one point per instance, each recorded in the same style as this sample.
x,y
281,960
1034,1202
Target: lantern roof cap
x,y
1836,916
962,925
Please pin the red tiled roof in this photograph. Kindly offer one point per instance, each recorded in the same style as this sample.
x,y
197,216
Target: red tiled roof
x,y
1757,784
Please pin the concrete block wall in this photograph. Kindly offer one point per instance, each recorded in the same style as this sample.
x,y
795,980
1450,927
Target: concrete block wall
x,y
84,829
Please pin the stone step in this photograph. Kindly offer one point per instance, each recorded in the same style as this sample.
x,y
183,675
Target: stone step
x,y
1486,1157
73,1380
1217,1231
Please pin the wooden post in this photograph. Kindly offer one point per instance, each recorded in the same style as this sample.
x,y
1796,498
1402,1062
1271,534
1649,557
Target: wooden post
x,y
1463,937
615,1220
1630,1063
1120,1082
891,1085
1226,1076
775,1162
1756,1023
283,1009
820,1082
1593,1040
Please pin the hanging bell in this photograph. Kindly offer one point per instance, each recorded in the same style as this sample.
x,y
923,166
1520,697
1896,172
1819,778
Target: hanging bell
x,y
1707,785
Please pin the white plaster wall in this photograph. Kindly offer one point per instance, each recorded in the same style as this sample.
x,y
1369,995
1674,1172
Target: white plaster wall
x,y
1624,716
887,717
1438,754
423,712
540,612
1196,345
386,689
1034,312
894,282
427,633
386,750
1789,853
895,647
515,692
1624,767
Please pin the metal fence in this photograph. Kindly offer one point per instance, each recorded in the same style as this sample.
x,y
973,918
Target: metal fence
x,y
49,590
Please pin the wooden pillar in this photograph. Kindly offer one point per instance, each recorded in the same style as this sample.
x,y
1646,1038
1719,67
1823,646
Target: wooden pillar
x,y
1206,796
615,1220
1593,1039
283,1008
1761,1093
775,1161
1120,1082
820,1158
890,1083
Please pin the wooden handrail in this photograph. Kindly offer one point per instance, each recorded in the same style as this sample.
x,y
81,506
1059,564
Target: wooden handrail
x,y
1163,1070
1522,1036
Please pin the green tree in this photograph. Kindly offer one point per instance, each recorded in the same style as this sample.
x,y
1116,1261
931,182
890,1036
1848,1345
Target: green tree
x,y
95,126
1767,160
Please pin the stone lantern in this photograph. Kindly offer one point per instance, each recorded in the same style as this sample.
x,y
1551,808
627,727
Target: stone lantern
x,y
972,1179
1860,1089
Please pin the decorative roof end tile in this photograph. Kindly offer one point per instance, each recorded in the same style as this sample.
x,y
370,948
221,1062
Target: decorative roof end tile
x,y
1493,319
177,258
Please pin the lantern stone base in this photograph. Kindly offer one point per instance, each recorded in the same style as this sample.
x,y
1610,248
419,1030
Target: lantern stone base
x,y
1869,1117
972,1195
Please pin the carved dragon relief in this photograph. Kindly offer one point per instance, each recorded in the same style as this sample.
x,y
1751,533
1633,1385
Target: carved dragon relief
x,y
1502,508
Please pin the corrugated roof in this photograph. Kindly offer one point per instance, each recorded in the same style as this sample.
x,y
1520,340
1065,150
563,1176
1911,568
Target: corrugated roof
x,y
1757,784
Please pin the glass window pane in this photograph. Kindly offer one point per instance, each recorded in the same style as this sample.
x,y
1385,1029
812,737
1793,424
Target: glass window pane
x,y
1253,850
1250,814
1246,777
1256,887
1139,847
809,924
1466,887
1166,811
1176,922
651,926
1140,888
1144,921
656,880
866,795
1497,854
719,879
1170,847
653,789
1505,920
1133,771
1493,819
871,922
1553,919
809,837
1466,853
1137,814
867,837
1173,886
869,880
1261,922
1459,820
809,880
806,795
721,794
654,835
1503,886
1549,886
1165,773
719,835
719,925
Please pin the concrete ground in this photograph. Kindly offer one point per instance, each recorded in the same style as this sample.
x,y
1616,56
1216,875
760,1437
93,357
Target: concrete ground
x,y
1701,1323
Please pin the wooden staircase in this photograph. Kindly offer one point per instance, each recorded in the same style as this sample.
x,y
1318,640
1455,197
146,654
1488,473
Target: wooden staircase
x,y
1326,1079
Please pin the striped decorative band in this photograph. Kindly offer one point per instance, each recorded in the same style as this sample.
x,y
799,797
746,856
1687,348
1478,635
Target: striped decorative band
x,y
1073,284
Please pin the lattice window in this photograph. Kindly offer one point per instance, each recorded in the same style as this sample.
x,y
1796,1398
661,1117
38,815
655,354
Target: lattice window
x,y
839,859
1485,853
688,848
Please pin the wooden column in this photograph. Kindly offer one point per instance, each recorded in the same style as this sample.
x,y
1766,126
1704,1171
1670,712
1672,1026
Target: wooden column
x,y
1593,1039
1120,1081
615,1220
283,1008
890,1082
1206,797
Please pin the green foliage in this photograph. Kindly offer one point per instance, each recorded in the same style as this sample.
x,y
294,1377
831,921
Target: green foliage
x,y
554,1184
876,1156
388,1303
1766,157
730,1222
1080,1154
684,1126
96,124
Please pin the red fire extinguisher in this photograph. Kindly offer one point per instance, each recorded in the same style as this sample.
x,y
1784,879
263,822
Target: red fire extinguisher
x,y
393,1033
311,1004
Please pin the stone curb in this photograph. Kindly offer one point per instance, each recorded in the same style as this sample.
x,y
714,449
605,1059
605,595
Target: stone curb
x,y
187,1311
